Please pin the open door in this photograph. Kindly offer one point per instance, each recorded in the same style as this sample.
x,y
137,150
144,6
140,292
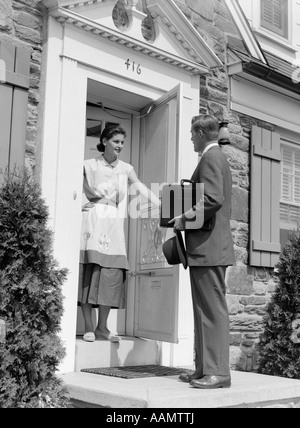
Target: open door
x,y
157,288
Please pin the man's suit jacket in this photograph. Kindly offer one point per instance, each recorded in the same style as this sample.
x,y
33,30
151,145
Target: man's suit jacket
x,y
212,247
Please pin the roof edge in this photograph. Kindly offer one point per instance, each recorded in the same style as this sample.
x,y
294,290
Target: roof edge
x,y
245,29
257,68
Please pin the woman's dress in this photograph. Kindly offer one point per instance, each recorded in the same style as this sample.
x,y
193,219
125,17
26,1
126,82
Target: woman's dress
x,y
103,254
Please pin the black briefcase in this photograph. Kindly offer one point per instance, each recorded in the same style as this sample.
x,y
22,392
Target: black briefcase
x,y
175,200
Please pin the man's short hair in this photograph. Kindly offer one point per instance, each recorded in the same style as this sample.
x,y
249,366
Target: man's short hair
x,y
206,123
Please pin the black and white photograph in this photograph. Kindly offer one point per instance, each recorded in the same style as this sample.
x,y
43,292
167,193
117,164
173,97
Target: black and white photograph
x,y
150,207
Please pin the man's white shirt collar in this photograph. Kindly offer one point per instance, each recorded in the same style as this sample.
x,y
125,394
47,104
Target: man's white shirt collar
x,y
212,144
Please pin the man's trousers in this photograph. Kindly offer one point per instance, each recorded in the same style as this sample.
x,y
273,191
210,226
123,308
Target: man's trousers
x,y
211,320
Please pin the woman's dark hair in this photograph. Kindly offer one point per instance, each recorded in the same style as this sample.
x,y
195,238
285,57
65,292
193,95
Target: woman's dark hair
x,y
108,133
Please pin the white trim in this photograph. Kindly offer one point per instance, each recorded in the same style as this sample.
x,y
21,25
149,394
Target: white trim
x,y
264,104
69,3
201,55
74,4
274,37
144,87
262,83
265,36
253,111
183,30
289,138
171,16
78,21
245,29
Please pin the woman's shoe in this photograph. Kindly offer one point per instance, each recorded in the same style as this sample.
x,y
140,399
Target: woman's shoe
x,y
109,337
89,337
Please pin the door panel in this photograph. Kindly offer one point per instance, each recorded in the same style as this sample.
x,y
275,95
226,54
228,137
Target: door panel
x,y
157,307
157,288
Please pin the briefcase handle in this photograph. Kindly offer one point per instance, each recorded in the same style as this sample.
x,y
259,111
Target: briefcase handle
x,y
186,181
193,196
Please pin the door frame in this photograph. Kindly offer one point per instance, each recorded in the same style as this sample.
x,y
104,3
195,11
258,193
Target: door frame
x,y
62,136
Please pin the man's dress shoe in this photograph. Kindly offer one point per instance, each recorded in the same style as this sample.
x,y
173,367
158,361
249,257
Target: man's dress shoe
x,y
184,377
211,381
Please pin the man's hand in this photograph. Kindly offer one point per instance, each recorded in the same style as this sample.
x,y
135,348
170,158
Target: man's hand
x,y
179,223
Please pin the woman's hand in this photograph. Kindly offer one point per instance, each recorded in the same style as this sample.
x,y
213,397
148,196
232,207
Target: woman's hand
x,y
87,206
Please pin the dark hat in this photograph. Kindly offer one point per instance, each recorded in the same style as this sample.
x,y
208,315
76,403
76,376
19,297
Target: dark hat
x,y
174,250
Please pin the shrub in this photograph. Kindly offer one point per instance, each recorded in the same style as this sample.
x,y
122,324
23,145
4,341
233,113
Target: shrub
x,y
31,302
279,343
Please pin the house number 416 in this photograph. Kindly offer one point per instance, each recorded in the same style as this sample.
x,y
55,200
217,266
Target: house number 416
x,y
136,68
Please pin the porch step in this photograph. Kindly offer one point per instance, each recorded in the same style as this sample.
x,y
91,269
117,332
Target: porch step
x,y
130,351
247,390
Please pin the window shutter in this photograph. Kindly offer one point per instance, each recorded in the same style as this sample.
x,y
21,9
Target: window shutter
x,y
278,16
267,11
287,175
13,105
265,198
274,15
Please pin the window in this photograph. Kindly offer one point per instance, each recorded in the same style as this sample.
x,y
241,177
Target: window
x,y
274,16
290,190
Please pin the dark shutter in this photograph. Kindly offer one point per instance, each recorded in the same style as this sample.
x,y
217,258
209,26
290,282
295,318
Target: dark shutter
x,y
265,198
14,85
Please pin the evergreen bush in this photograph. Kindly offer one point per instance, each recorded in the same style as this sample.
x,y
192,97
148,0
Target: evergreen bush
x,y
31,302
279,344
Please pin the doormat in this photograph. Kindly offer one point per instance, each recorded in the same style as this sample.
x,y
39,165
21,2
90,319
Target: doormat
x,y
135,372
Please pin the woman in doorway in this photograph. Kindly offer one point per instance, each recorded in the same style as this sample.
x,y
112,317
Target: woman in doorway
x,y
103,255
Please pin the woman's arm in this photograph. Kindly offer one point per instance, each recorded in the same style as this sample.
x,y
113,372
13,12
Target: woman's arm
x,y
142,189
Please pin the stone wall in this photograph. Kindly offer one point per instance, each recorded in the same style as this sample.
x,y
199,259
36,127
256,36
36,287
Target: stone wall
x,y
23,23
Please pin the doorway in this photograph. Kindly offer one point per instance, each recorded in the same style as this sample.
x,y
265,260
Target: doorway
x,y
99,116
153,129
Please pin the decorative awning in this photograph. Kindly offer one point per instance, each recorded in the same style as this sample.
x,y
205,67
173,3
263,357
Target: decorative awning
x,y
192,53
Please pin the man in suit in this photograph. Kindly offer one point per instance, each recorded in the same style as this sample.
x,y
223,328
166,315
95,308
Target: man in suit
x,y
209,252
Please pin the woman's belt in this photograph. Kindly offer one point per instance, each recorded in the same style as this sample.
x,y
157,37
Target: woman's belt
x,y
105,201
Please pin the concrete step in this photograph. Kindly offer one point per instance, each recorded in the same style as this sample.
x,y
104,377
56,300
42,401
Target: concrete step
x,y
247,390
130,351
